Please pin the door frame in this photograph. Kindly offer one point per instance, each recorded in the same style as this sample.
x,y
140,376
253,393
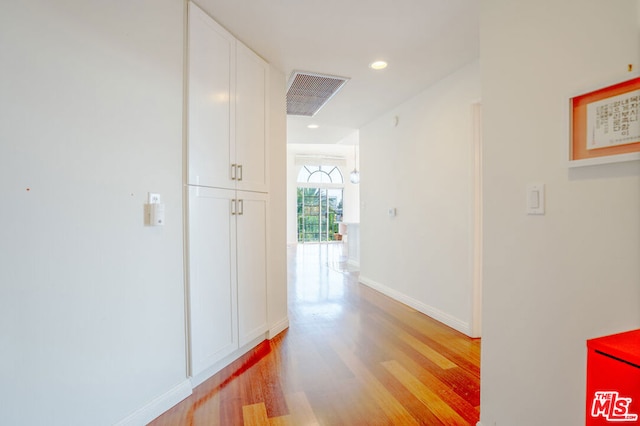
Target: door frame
x,y
476,292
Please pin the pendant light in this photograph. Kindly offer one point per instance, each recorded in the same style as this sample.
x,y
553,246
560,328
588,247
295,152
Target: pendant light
x,y
354,176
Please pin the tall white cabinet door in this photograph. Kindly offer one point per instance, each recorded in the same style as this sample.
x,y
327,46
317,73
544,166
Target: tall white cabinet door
x,y
212,277
210,106
251,119
252,265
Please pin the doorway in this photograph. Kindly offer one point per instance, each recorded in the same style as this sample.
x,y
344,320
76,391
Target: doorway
x,y
319,204
319,214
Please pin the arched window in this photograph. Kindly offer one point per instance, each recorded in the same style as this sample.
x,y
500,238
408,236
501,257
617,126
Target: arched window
x,y
319,203
320,174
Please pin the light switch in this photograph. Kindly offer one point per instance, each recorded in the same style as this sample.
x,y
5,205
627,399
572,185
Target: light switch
x,y
535,198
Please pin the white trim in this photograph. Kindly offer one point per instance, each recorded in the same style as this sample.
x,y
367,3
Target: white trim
x,y
631,156
185,187
153,409
476,225
354,263
278,328
224,362
320,160
443,317
260,331
321,185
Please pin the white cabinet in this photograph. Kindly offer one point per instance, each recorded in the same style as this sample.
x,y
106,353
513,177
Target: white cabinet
x,y
211,79
227,112
227,186
250,120
212,287
227,272
251,262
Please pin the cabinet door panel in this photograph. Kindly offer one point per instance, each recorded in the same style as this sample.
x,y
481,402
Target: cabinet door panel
x,y
252,266
212,277
251,92
210,104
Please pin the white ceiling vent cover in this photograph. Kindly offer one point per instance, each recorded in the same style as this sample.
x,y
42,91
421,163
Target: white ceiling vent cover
x,y
309,92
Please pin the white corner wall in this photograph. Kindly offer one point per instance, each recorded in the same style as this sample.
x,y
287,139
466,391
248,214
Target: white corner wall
x,y
277,307
422,167
91,301
551,282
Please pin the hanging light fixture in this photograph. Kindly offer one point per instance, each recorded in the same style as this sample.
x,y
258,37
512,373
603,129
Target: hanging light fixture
x,y
354,176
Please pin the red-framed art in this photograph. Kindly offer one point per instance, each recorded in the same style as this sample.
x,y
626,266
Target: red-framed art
x,y
605,124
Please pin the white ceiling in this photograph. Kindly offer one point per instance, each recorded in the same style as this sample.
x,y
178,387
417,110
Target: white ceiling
x,y
422,40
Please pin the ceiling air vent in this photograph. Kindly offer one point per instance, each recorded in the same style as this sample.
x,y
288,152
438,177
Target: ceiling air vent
x,y
308,92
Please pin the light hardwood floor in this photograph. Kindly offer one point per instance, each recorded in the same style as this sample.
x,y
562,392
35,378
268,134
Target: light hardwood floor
x,y
351,356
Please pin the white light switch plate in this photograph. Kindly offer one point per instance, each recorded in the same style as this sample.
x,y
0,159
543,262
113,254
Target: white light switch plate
x,y
535,198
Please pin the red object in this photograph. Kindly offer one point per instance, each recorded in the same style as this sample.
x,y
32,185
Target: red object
x,y
613,379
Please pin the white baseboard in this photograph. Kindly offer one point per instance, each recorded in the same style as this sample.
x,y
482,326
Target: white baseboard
x,y
153,409
443,317
164,402
216,367
278,328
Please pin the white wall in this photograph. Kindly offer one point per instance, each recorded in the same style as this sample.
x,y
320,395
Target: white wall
x,y
552,281
92,321
277,238
423,168
91,301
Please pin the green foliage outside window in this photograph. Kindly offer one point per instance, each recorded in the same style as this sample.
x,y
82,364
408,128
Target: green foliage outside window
x,y
319,214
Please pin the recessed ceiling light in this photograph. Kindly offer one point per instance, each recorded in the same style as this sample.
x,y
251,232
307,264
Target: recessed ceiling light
x,y
312,126
378,65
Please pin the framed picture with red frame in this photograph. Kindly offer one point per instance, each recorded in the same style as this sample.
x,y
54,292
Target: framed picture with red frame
x,y
605,124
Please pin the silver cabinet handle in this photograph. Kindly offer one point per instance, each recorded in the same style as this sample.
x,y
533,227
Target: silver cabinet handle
x,y
239,171
233,207
240,207
233,171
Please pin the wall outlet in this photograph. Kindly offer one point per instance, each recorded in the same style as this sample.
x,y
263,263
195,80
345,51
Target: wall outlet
x,y
154,198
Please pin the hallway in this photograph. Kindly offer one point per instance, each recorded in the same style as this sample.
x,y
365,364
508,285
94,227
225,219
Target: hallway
x,y
350,357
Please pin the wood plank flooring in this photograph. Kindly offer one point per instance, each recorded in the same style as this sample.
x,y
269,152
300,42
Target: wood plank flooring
x,y
351,356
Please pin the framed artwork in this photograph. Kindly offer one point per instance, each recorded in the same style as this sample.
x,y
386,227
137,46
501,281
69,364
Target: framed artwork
x,y
605,124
